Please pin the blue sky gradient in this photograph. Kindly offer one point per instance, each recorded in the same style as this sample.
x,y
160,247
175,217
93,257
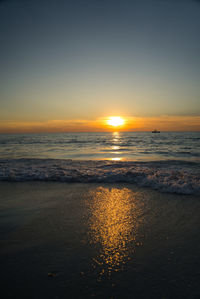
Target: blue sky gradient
x,y
62,60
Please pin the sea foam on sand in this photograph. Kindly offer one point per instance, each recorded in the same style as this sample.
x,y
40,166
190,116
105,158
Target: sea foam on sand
x,y
166,176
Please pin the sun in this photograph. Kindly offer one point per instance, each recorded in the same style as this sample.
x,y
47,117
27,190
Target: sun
x,y
115,121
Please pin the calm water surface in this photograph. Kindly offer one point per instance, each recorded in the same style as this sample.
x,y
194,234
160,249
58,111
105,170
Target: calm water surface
x,y
135,146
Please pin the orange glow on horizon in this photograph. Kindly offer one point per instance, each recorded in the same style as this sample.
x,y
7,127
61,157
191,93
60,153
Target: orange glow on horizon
x,y
130,124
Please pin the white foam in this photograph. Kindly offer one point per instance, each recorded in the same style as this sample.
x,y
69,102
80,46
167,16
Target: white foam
x,y
167,176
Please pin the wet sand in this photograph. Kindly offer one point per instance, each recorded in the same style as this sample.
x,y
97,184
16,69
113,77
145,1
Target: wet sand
x,y
63,240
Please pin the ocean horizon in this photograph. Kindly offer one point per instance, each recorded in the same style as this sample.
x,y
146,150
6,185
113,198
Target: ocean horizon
x,y
168,161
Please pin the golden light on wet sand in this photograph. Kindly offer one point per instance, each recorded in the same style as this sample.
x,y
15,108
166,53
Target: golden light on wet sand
x,y
113,224
115,121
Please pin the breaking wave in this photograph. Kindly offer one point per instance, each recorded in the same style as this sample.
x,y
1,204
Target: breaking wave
x,y
166,176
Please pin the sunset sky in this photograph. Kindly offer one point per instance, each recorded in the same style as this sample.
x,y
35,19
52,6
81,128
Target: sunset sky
x,y
69,65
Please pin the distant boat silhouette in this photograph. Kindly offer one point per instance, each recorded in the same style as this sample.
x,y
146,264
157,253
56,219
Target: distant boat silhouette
x,y
155,131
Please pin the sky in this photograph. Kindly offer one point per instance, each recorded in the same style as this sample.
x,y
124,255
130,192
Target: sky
x,y
68,65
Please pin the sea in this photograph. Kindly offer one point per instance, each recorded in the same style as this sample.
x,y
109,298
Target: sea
x,y
104,215
166,161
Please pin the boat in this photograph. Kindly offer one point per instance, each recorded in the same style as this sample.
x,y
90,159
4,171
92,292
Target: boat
x,y
155,131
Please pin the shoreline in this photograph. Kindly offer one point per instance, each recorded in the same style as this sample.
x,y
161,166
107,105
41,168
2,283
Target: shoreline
x,y
172,176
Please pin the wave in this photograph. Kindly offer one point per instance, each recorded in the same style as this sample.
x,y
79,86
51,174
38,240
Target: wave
x,y
166,176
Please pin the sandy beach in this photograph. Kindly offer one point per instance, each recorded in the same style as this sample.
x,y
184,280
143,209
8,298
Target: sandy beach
x,y
62,240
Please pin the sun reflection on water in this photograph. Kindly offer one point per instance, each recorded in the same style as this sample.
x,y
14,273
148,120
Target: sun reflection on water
x,y
112,227
115,147
115,137
116,159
